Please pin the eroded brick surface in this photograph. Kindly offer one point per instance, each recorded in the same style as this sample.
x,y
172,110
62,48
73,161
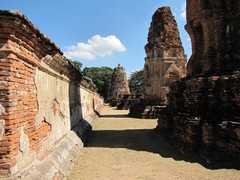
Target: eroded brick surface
x,y
165,61
164,64
119,85
26,128
203,111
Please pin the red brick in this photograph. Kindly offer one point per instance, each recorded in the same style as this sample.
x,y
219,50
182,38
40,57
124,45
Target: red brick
x,y
4,143
4,172
11,137
4,150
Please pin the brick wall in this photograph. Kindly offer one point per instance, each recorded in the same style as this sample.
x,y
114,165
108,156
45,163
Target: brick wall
x,y
203,111
40,93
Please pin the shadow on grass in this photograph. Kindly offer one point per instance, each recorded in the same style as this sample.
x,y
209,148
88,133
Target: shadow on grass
x,y
142,140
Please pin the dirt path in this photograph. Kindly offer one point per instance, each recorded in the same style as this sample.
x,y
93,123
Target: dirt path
x,y
126,148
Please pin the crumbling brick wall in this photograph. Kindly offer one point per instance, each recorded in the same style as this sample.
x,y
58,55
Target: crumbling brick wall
x,y
40,93
203,110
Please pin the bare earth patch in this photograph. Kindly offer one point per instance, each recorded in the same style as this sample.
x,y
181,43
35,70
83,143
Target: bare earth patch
x,y
129,148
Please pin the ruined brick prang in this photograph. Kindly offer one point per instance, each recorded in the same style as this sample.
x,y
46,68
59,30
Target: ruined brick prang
x,y
119,85
166,60
41,95
203,114
164,64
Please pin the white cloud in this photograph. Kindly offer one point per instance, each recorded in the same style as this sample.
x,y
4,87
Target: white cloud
x,y
97,46
183,13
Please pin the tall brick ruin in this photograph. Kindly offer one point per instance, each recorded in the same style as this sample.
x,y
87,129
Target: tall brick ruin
x,y
166,60
119,85
203,114
164,64
45,102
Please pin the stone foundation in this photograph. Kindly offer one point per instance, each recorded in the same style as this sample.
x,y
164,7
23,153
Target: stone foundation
x,y
208,121
139,108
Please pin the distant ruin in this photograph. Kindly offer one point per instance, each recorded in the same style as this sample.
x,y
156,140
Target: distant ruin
x,y
46,105
164,63
119,86
203,109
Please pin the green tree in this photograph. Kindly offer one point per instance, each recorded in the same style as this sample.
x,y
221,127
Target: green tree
x,y
77,64
136,84
101,76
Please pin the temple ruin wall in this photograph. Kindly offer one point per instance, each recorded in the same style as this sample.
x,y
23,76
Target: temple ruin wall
x,y
42,95
203,111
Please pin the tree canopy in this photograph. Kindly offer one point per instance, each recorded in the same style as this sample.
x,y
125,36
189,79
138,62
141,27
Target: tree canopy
x,y
77,64
136,84
101,76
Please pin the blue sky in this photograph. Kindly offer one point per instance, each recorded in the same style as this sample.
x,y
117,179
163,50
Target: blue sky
x,y
99,32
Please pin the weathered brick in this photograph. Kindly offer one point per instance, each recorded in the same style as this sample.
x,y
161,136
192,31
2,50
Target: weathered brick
x,y
203,110
3,150
11,137
23,49
5,165
4,172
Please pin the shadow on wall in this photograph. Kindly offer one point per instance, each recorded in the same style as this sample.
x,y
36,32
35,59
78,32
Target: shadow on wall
x,y
114,116
143,140
82,127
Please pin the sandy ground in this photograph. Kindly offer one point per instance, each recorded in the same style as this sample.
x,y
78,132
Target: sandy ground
x,y
127,148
